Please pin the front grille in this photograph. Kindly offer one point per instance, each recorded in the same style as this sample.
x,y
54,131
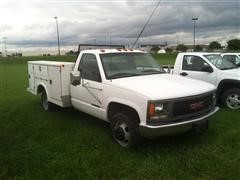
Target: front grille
x,y
186,108
194,105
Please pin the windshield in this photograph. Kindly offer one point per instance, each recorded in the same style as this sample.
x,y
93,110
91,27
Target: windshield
x,y
119,65
218,61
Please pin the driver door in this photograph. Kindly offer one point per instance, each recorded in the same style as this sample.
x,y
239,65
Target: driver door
x,y
192,66
87,96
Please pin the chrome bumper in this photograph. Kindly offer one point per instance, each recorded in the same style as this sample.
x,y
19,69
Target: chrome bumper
x,y
154,131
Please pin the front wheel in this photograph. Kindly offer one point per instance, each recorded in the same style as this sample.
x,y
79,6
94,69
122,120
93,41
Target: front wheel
x,y
124,130
47,106
231,99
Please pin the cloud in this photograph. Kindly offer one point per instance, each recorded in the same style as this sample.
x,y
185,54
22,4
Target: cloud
x,y
31,23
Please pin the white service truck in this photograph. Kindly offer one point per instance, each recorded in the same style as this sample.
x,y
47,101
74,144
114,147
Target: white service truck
x,y
212,68
127,88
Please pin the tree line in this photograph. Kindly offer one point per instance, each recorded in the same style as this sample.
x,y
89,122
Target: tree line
x,y
233,44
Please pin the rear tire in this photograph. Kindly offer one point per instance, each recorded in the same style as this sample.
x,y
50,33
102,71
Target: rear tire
x,y
125,130
231,99
46,105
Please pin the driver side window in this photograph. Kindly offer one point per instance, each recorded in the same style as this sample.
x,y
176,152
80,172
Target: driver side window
x,y
193,63
88,68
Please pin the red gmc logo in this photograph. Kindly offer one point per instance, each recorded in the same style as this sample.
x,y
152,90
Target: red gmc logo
x,y
198,105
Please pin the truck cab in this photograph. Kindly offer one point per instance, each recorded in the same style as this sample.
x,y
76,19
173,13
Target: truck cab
x,y
212,68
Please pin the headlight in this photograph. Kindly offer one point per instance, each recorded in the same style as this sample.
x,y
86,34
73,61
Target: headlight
x,y
159,107
158,111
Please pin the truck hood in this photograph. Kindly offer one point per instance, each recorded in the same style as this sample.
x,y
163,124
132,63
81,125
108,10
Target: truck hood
x,y
163,86
231,73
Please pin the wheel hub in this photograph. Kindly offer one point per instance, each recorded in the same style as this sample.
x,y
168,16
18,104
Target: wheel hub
x,y
122,134
119,134
233,101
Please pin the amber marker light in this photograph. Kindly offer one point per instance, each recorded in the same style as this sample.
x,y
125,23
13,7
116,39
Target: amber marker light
x,y
151,110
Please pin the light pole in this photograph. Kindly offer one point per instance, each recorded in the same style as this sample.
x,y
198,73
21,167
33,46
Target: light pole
x,y
1,39
57,35
194,27
5,45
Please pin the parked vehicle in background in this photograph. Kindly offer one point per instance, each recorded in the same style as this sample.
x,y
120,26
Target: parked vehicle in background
x,y
212,68
127,88
232,57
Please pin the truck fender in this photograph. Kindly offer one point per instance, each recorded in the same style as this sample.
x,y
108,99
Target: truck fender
x,y
39,85
227,84
126,103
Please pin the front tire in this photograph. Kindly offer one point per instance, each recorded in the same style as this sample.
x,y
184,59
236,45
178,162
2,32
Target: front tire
x,y
231,99
46,105
124,130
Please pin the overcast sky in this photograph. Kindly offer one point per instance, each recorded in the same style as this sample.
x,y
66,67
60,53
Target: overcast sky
x,y
29,25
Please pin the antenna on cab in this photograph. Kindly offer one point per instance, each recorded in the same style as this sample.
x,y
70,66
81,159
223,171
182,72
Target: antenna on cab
x,y
146,23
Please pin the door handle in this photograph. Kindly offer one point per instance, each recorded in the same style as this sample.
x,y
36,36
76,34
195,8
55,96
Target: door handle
x,y
183,74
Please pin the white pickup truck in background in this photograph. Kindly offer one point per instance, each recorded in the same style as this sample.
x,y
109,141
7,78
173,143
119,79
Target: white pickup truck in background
x,y
127,88
212,68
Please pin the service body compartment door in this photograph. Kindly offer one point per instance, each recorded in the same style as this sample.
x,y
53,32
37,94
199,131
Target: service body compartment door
x,y
55,86
31,77
41,71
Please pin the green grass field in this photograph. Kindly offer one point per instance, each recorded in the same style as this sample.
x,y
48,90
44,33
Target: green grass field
x,y
68,144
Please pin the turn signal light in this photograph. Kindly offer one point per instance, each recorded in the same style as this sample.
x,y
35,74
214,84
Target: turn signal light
x,y
151,110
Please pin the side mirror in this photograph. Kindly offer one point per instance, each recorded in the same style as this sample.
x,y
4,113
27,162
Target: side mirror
x,y
75,78
208,69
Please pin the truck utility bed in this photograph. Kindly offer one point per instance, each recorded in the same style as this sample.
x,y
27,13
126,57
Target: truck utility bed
x,y
54,75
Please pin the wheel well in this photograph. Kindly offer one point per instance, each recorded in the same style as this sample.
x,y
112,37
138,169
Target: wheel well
x,y
223,87
115,107
40,89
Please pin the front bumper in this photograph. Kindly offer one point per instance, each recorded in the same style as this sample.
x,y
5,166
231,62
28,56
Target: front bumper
x,y
155,131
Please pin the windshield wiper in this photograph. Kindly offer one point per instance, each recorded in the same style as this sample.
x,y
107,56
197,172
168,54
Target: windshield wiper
x,y
119,75
152,70
229,68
